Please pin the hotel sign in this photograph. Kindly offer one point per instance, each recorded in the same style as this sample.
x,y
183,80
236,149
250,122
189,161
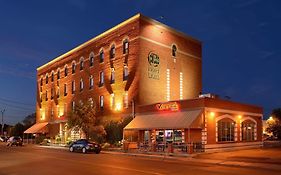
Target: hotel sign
x,y
153,66
169,106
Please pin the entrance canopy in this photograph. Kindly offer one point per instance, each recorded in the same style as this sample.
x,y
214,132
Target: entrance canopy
x,y
171,120
37,128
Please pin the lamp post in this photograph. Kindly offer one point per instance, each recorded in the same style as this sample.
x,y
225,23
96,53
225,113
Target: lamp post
x,y
2,129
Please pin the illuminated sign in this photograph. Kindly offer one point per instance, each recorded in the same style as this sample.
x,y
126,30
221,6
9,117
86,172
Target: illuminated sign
x,y
153,66
170,106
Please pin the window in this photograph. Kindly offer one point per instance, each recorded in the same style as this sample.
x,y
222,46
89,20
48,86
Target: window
x,y
65,90
81,85
126,100
112,77
58,91
73,87
52,77
41,81
125,72
58,74
225,130
112,51
52,93
248,130
81,63
47,78
125,46
101,56
73,105
91,102
101,78
65,71
73,67
101,102
174,50
46,96
91,59
91,80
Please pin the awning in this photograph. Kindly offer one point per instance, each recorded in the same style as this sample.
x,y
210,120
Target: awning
x,y
37,128
171,120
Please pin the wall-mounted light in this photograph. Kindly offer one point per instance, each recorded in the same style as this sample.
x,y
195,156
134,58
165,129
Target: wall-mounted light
x,y
118,107
212,114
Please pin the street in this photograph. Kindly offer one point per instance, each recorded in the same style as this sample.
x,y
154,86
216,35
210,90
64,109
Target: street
x,y
33,160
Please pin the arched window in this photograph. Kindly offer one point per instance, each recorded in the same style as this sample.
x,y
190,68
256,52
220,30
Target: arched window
x,y
81,84
58,91
41,81
101,56
101,78
112,77
46,96
174,50
248,130
226,130
125,46
112,51
91,59
52,77
81,63
58,74
65,90
73,67
101,102
47,78
91,81
73,87
65,71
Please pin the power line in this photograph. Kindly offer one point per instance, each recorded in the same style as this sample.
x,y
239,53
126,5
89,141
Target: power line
x,y
12,101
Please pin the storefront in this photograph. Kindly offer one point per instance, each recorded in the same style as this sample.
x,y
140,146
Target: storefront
x,y
209,123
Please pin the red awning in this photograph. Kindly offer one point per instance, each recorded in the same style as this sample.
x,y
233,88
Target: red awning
x,y
37,128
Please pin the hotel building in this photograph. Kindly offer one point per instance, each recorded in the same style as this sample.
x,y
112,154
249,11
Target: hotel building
x,y
135,66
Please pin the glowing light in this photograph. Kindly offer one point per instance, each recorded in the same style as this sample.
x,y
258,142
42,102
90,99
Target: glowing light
x,y
212,114
169,106
271,118
239,116
118,107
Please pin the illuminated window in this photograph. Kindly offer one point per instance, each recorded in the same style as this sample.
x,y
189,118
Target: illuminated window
x,y
91,80
225,130
73,87
112,77
248,130
47,78
174,50
125,46
101,56
81,84
112,101
81,63
52,77
91,59
168,85
58,74
65,90
125,72
101,78
101,102
65,71
73,67
181,86
126,100
112,51
73,105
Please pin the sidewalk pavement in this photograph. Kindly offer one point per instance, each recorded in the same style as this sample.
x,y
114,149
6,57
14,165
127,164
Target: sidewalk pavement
x,y
191,158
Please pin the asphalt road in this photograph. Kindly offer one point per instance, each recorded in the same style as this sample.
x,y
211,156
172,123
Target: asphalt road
x,y
31,160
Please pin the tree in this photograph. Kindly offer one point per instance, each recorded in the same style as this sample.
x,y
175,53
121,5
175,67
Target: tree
x,y
274,125
17,130
29,120
84,117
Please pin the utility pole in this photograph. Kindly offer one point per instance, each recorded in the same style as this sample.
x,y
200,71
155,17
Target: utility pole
x,y
2,130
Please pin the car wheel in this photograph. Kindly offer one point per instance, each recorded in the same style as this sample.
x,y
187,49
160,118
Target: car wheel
x,y
71,149
84,150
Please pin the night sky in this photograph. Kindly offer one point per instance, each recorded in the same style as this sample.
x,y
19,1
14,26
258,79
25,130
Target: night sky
x,y
241,43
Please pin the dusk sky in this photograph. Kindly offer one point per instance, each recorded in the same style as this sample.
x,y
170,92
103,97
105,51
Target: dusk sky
x,y
241,43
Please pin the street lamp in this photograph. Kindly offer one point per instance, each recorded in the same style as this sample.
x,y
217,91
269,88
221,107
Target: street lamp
x,y
2,130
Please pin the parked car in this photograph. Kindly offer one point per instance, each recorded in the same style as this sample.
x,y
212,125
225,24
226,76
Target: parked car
x,y
3,139
84,146
14,140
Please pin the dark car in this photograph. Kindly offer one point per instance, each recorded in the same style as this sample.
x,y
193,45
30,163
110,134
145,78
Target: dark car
x,y
85,146
14,140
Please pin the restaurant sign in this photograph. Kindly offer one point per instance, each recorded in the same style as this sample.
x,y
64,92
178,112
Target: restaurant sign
x,y
153,66
169,106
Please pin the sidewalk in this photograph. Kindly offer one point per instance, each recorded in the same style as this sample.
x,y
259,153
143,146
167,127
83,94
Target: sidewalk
x,y
223,159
